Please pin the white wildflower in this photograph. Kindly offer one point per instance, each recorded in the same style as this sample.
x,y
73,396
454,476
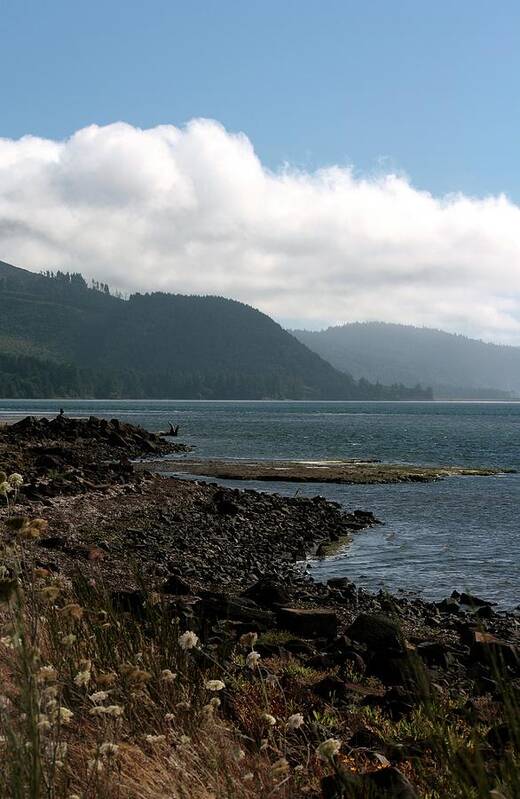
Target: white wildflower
x,y
115,711
108,750
98,696
214,685
295,721
248,640
167,675
82,678
98,710
69,640
280,767
5,488
15,480
46,674
269,720
155,739
64,715
43,723
188,640
252,660
328,749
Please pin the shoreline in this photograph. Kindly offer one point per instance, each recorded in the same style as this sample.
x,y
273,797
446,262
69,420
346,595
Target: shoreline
x,y
351,471
225,562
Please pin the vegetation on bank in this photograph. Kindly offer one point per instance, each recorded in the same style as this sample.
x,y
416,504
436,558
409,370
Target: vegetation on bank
x,y
61,338
102,703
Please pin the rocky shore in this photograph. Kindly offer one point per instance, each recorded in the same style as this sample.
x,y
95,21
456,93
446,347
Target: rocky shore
x,y
229,561
346,471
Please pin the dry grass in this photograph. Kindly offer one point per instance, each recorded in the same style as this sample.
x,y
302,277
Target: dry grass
x,y
100,704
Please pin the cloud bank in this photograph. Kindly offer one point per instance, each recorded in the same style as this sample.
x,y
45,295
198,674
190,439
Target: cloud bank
x,y
193,210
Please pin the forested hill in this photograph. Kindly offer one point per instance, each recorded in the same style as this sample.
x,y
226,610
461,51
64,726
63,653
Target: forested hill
x,y
60,337
455,366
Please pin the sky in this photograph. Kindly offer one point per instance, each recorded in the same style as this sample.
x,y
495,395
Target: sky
x,y
323,161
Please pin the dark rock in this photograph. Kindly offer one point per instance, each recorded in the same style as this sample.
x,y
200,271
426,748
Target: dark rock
x,y
53,542
222,607
176,585
473,601
129,602
378,633
489,649
298,647
485,612
341,583
449,606
386,783
390,783
267,592
318,622
435,653
225,505
407,670
500,737
331,689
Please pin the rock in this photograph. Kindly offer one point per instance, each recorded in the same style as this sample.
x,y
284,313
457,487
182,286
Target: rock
x,y
53,542
500,737
341,785
377,632
341,583
267,592
386,783
222,607
176,586
309,623
225,505
489,649
331,689
390,783
485,612
407,670
435,653
450,605
129,601
473,601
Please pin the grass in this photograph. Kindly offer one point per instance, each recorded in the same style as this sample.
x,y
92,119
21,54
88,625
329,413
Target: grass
x,y
100,704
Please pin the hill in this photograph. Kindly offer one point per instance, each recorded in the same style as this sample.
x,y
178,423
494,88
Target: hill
x,y
61,337
455,366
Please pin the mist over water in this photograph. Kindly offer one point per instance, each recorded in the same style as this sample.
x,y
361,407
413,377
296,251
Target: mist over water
x,y
458,533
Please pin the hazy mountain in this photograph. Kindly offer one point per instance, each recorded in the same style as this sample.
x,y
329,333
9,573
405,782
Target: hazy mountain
x,y
60,337
455,366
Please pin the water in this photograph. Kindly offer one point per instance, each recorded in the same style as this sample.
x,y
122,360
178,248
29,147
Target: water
x,y
458,533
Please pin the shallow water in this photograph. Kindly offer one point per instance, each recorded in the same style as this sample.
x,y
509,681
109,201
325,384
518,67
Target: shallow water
x,y
458,533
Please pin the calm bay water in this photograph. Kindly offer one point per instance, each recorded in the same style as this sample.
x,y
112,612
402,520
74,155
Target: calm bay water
x,y
458,533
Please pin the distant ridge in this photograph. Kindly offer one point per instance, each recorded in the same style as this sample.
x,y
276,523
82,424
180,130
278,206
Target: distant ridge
x,y
455,366
62,337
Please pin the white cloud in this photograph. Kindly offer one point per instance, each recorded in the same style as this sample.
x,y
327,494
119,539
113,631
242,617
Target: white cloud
x,y
193,210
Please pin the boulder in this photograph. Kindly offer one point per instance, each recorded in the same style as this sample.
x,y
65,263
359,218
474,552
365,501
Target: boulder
x,y
386,783
309,623
176,585
379,633
267,592
487,648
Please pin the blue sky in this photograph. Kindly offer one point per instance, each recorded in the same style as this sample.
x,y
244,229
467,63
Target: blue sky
x,y
362,163
427,88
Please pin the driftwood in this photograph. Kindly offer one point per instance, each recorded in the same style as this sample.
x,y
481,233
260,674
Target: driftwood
x,y
173,431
